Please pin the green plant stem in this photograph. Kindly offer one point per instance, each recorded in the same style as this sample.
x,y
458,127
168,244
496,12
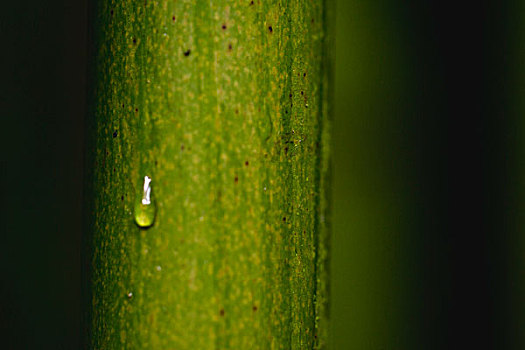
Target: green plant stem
x,y
224,105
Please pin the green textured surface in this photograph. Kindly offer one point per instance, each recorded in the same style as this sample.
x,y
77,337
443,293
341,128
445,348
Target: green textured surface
x,y
223,105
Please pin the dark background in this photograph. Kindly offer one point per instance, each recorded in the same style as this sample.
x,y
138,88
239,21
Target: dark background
x,y
428,182
42,103
429,161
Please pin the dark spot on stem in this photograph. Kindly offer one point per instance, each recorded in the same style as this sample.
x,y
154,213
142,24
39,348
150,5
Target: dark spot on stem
x,y
304,75
182,147
121,198
229,47
246,163
123,105
115,133
290,95
270,29
224,26
302,92
284,219
136,110
221,312
111,12
254,308
286,150
251,3
236,180
236,111
286,111
173,18
134,40
187,53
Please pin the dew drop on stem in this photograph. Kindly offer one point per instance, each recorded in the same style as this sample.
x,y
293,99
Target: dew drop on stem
x,y
145,209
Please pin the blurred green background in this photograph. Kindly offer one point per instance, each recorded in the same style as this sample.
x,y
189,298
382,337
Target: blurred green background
x,y
428,247
428,174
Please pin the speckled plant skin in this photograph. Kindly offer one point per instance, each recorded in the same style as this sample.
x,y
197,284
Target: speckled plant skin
x,y
224,105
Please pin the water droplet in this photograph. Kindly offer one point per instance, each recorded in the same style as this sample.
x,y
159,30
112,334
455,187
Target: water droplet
x,y
145,209
158,268
129,295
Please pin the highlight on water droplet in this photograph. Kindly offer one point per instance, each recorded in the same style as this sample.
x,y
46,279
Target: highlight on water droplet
x,y
145,209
